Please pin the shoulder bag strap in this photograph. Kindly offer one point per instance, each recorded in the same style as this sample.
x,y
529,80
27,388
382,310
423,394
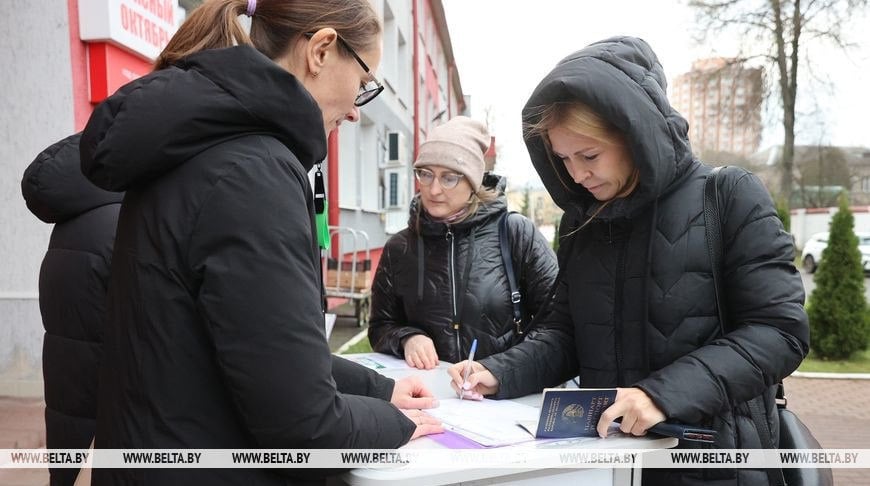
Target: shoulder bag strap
x,y
713,231
506,258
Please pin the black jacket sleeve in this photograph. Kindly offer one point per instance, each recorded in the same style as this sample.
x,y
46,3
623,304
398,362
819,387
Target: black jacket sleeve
x,y
388,323
767,335
354,379
259,300
547,357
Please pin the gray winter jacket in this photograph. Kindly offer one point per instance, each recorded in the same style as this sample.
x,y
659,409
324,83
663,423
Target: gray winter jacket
x,y
635,304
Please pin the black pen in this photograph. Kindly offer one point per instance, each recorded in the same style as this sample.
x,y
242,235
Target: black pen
x,y
684,432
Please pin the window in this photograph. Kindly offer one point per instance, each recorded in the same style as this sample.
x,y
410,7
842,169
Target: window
x,y
395,188
393,191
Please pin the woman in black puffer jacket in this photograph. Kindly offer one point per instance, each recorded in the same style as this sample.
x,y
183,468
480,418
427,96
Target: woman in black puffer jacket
x,y
441,282
72,291
635,305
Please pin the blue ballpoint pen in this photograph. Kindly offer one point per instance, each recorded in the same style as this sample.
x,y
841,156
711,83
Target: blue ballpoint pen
x,y
468,367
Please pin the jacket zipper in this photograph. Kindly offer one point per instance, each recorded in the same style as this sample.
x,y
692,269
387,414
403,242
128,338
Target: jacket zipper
x,y
452,264
620,278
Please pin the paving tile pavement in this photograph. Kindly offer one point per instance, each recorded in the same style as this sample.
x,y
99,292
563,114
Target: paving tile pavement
x,y
835,410
838,413
22,426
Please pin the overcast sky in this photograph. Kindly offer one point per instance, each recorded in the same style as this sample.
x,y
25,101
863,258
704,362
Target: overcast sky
x,y
503,49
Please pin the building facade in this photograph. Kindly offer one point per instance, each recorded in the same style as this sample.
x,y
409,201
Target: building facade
x,y
61,57
721,99
819,173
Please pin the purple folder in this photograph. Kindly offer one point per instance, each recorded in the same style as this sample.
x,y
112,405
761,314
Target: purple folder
x,y
452,440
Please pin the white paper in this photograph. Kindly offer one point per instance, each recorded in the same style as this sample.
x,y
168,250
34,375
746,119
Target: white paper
x,y
329,320
491,423
377,361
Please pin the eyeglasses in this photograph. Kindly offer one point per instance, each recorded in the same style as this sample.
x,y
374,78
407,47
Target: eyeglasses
x,y
372,88
447,180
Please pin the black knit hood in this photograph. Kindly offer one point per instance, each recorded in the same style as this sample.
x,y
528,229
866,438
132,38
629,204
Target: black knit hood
x,y
54,187
621,79
132,138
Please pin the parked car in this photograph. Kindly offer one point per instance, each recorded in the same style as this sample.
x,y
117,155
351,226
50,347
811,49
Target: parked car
x,y
812,254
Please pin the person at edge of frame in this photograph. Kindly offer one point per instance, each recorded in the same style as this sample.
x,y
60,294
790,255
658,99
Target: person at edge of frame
x,y
73,279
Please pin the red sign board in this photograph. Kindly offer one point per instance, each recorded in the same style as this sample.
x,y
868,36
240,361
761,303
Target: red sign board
x,y
110,68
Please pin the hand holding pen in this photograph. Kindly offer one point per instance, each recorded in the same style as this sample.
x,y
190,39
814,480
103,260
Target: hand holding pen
x,y
472,380
468,366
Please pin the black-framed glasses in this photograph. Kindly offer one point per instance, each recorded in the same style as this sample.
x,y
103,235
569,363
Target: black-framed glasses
x,y
372,88
447,180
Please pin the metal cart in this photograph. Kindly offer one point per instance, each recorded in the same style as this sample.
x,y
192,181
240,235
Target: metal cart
x,y
348,275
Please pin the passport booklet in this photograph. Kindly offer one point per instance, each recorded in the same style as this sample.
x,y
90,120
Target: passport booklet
x,y
570,412
574,412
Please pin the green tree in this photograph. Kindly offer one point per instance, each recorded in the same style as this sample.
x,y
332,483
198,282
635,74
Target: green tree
x,y
526,208
784,213
837,308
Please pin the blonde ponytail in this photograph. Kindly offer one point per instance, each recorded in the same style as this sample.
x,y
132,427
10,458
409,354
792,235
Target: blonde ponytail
x,y
213,25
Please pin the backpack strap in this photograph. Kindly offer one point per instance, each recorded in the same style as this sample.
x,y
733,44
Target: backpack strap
x,y
506,258
713,232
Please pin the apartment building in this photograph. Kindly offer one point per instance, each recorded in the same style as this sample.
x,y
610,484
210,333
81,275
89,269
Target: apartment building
x,y
721,99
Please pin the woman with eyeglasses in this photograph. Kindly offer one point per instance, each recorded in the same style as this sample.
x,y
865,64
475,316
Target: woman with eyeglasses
x,y
214,335
441,282
635,305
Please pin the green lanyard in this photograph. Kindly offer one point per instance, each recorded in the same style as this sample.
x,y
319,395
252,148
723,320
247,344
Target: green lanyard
x,y
321,207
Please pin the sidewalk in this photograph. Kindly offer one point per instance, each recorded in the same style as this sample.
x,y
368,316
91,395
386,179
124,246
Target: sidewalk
x,y
837,413
835,410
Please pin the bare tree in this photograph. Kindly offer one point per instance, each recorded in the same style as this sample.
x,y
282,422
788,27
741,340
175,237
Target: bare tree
x,y
823,174
778,31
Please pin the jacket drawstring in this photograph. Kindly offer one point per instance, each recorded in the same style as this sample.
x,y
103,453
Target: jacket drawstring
x,y
647,277
420,268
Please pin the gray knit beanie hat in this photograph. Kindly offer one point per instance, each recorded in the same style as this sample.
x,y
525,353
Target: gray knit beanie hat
x,y
458,145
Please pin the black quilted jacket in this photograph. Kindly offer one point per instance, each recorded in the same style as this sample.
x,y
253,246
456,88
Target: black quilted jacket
x,y
404,305
635,305
72,291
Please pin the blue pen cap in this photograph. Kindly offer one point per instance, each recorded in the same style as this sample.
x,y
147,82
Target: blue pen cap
x,y
473,349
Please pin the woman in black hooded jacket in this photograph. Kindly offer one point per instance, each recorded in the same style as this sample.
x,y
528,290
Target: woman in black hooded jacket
x,y
441,282
215,332
635,304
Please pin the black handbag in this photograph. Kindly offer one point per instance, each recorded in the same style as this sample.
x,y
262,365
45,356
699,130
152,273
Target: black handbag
x,y
793,434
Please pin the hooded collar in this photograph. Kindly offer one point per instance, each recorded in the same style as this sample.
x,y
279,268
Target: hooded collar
x,y
54,187
622,80
160,121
